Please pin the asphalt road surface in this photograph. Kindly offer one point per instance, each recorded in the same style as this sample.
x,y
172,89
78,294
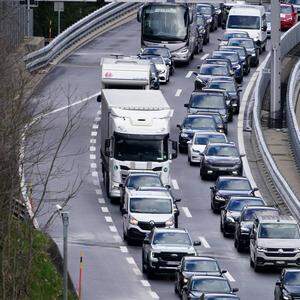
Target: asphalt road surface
x,y
111,268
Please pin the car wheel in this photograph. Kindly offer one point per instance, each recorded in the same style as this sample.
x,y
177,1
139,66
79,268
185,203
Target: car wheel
x,y
239,247
251,262
203,174
144,268
256,267
221,227
181,149
124,236
176,289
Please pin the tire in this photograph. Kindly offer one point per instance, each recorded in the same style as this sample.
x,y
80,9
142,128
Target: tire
x,y
202,174
256,267
125,238
144,269
175,289
251,262
239,248
181,149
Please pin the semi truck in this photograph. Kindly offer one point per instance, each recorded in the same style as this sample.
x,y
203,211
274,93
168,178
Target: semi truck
x,y
135,135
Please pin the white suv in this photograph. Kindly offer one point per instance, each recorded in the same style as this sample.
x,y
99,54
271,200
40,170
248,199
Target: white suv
x,y
274,241
146,208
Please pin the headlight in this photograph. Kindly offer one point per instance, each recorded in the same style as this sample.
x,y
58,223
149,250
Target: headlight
x,y
220,198
133,221
227,102
253,54
184,135
261,249
183,51
152,255
169,222
185,280
230,219
195,150
245,229
209,19
285,295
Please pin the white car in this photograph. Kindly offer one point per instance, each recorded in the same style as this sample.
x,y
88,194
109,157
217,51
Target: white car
x,y
162,68
197,145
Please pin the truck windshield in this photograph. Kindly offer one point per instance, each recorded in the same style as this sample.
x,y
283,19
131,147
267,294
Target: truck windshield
x,y
151,205
243,22
165,22
137,148
279,231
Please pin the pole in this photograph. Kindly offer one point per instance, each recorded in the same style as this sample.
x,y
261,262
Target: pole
x,y
28,17
65,220
58,22
80,276
275,105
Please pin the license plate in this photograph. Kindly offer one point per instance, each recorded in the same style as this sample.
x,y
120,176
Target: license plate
x,y
222,169
280,262
172,263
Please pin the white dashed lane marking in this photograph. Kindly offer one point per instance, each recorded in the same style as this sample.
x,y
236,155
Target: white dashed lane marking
x,y
153,295
186,212
92,148
108,219
93,141
229,277
95,174
104,209
95,126
175,184
189,74
145,282
93,166
124,249
204,242
101,201
98,192
178,92
94,133
113,228
92,156
204,56
137,271
130,260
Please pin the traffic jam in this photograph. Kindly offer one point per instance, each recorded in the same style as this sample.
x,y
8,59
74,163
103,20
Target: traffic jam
x,y
137,151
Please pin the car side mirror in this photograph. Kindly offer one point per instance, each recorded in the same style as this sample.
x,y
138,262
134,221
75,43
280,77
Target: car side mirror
x,y
212,188
242,155
255,189
177,200
167,186
99,98
189,142
264,28
219,40
197,243
198,67
186,105
178,126
278,283
235,290
121,185
223,271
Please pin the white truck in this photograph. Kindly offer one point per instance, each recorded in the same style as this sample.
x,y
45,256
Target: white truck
x,y
125,72
135,135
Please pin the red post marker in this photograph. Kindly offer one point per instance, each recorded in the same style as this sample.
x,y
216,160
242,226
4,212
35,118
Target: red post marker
x,y
80,275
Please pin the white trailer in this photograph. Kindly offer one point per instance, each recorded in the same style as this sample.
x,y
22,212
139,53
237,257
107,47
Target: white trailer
x,y
135,135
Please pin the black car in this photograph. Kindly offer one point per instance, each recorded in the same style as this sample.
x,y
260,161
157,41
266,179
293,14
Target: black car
x,y
235,61
251,48
229,35
244,224
227,96
221,125
218,296
227,187
288,286
208,11
195,265
154,83
160,51
232,211
192,124
244,56
137,179
231,88
208,101
203,28
197,285
220,158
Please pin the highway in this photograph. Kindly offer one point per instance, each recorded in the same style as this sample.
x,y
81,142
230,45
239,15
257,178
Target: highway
x,y
111,268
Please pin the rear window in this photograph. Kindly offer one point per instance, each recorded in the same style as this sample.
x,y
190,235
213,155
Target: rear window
x,y
234,184
199,123
222,151
286,9
238,205
215,101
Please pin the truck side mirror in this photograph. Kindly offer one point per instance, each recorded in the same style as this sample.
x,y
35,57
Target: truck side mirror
x,y
107,147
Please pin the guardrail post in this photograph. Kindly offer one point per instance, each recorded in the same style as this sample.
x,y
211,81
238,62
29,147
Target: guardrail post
x,y
275,119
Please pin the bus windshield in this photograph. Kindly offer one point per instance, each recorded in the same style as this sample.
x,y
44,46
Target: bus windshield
x,y
165,23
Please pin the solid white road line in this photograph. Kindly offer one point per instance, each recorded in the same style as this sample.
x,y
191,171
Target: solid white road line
x,y
178,92
153,295
229,277
104,209
108,219
204,56
145,282
175,184
189,74
124,249
204,242
92,156
186,212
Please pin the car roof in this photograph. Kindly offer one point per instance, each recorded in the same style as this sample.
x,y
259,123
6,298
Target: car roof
x,y
232,47
200,258
276,219
199,133
142,173
245,197
222,51
208,113
241,38
222,91
203,92
262,207
164,229
210,65
209,277
223,144
154,193
233,177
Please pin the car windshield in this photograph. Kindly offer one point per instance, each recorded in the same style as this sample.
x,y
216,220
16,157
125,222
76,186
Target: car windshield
x,y
229,86
246,43
278,231
164,52
286,9
231,56
292,278
234,184
172,238
210,285
165,23
249,213
230,35
127,147
199,123
157,60
208,101
201,266
136,181
217,70
221,298
243,22
297,2
151,205
204,10
238,205
209,138
200,20
222,151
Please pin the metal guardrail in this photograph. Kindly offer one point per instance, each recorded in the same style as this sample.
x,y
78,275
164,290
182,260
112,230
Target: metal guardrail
x,y
76,32
293,94
288,41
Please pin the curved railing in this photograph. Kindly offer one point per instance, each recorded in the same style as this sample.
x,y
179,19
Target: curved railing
x,y
76,32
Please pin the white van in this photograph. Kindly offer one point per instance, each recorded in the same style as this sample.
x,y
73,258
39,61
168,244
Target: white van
x,y
252,19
